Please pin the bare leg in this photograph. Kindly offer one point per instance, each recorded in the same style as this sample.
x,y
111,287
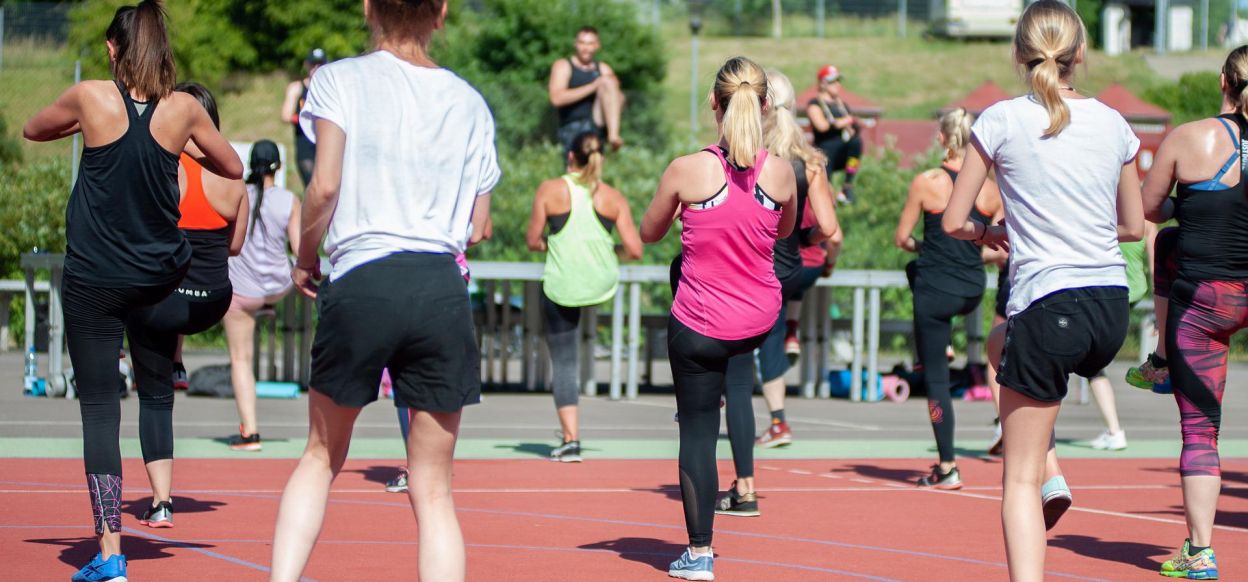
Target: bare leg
x,y
160,475
1200,504
608,108
1161,307
177,355
745,485
240,330
302,509
1028,436
431,451
569,422
773,394
996,342
1103,391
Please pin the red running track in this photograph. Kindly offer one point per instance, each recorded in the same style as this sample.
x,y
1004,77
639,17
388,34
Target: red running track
x,y
531,520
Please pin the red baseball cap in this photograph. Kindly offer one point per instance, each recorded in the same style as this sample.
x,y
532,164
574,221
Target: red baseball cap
x,y
829,73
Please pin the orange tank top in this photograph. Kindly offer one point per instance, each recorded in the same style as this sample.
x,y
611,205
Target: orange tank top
x,y
197,213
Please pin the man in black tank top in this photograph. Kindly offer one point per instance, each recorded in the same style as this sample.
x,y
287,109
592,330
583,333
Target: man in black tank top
x,y
586,93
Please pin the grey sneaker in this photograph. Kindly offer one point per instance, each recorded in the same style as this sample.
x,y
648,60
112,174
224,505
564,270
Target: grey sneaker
x,y
159,516
398,484
569,452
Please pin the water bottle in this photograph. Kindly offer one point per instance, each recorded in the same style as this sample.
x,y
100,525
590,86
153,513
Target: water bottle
x,y
31,377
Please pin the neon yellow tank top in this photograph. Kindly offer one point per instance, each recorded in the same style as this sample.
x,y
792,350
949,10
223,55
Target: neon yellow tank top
x,y
581,266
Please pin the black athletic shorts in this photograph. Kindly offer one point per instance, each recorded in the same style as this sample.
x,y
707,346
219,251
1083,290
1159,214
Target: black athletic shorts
x,y
1074,330
408,312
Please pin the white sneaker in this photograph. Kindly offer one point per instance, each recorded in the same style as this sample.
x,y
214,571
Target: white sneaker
x,y
1110,441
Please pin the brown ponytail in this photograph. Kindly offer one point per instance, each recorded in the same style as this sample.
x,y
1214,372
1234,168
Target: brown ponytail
x,y
404,19
1047,43
741,91
143,61
587,156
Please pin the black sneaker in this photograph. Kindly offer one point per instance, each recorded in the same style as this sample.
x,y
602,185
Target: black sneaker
x,y
180,380
245,442
739,505
944,481
159,516
569,452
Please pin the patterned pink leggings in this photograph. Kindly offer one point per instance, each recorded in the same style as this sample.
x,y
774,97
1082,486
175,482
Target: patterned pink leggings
x,y
1203,317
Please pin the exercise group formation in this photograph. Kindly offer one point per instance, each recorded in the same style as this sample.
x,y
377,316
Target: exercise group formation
x,y
166,239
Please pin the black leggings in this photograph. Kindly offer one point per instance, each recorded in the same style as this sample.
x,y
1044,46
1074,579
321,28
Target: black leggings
x,y
94,325
153,333
844,155
562,325
699,368
933,330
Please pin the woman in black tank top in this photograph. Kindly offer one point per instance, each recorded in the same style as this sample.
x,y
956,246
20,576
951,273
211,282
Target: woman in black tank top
x,y
946,280
124,249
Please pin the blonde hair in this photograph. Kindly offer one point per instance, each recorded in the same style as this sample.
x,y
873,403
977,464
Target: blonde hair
x,y
955,129
1047,43
1235,69
783,137
587,155
740,92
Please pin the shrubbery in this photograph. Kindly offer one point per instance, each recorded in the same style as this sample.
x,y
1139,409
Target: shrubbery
x,y
1194,96
33,197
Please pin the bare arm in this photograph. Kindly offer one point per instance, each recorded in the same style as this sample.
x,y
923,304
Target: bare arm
x,y
241,219
219,156
1160,181
1130,205
817,119
911,211
537,218
560,94
319,203
1150,247
956,221
662,211
788,216
58,120
629,237
482,224
821,204
290,106
293,227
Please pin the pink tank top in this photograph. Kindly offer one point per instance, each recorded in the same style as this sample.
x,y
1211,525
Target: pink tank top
x,y
728,287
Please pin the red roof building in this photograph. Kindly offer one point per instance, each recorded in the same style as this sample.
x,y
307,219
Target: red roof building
x,y
979,99
1150,122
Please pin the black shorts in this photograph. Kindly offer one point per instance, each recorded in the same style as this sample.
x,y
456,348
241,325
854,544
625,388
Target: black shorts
x,y
1003,290
408,312
1075,330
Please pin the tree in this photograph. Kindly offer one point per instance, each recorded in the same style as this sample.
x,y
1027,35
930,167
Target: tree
x,y
776,30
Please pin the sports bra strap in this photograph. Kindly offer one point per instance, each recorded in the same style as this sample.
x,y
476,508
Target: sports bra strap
x,y
1230,162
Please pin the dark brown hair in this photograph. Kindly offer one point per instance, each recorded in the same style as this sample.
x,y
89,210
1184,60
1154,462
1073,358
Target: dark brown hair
x,y
205,98
143,61
404,18
587,154
587,30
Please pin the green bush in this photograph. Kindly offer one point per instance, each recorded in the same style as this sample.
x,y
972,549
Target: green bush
x,y
10,150
1194,96
33,199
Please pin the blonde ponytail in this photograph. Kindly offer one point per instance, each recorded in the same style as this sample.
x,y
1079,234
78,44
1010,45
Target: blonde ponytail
x,y
1047,43
587,158
740,92
1235,70
783,136
955,127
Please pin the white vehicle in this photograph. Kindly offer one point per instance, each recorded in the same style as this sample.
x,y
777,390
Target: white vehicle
x,y
976,18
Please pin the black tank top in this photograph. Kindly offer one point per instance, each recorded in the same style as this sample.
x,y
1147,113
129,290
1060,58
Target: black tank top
x,y
582,110
121,223
303,98
210,255
832,112
788,253
1213,227
948,264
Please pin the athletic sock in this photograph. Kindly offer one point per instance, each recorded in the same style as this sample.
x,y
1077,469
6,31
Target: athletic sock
x,y
1157,361
1193,550
777,416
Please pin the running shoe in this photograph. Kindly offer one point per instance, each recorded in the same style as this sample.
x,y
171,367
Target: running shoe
x,y
998,442
792,345
568,452
399,483
159,516
777,435
1110,441
180,380
111,570
1202,566
740,505
1148,374
944,481
1056,498
1163,388
245,442
691,567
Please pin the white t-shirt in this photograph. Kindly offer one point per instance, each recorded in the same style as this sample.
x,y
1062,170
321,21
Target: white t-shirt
x,y
1060,194
419,150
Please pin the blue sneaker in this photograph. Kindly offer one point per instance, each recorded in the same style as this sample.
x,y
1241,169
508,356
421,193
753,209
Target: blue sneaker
x,y
1163,387
690,567
100,570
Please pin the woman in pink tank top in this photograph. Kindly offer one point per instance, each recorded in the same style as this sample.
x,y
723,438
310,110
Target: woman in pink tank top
x,y
735,201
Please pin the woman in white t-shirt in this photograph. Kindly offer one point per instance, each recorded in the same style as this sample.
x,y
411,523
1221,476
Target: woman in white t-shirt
x,y
1065,165
405,162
